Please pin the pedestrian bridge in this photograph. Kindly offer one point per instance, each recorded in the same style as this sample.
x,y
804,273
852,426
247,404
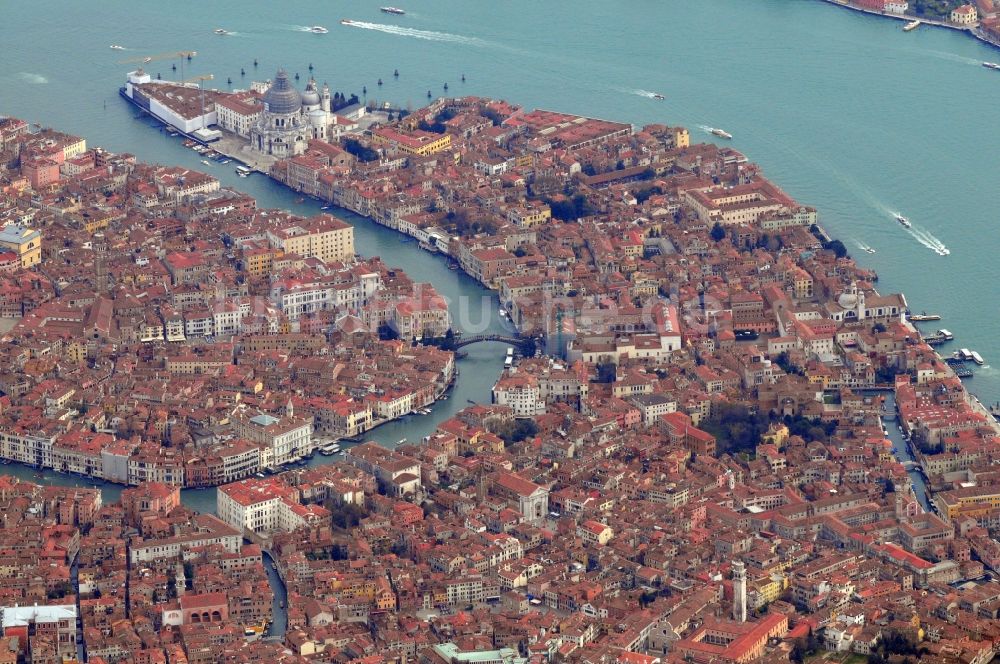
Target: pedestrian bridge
x,y
480,338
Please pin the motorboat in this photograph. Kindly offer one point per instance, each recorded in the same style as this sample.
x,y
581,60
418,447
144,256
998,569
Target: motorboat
x,y
912,25
903,221
870,250
318,29
346,21
657,95
116,47
221,31
988,65
392,10
206,162
721,133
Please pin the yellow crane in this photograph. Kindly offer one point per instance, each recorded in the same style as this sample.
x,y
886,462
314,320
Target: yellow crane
x,y
197,79
162,56
180,55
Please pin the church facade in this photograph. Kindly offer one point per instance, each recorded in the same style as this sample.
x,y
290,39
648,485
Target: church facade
x,y
291,118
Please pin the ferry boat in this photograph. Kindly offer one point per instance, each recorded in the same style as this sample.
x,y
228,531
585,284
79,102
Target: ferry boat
x,y
988,65
912,25
721,133
921,317
116,47
977,358
329,449
243,171
318,29
220,31
392,10
903,220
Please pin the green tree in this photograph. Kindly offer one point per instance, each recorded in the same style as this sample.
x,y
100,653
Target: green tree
x,y
718,233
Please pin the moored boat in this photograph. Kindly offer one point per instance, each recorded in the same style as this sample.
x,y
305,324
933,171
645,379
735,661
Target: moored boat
x,y
912,25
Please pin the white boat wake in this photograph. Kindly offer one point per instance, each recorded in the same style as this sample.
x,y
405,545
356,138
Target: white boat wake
x,y
428,35
34,79
925,237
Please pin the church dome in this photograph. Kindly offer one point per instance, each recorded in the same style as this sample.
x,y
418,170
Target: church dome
x,y
282,97
310,98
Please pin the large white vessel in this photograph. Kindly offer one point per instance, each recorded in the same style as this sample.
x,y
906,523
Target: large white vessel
x,y
721,133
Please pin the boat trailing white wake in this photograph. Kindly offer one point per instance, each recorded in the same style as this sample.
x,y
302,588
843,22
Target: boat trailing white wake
x,y
428,35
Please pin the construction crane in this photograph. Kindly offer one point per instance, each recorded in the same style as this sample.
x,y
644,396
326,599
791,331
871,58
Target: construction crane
x,y
200,80
162,56
180,55
197,79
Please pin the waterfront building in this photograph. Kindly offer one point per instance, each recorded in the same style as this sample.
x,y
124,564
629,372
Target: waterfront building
x,y
289,119
266,506
324,236
965,15
286,438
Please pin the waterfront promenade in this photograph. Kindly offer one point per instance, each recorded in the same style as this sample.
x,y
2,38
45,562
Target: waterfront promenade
x,y
972,30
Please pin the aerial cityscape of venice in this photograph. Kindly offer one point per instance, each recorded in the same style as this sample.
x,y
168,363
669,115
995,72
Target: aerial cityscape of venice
x,y
502,333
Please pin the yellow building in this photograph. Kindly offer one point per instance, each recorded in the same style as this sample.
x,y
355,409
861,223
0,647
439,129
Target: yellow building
x,y
529,215
682,139
416,142
258,259
24,242
324,237
964,15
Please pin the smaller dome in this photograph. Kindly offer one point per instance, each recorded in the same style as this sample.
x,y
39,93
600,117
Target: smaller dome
x,y
848,300
310,98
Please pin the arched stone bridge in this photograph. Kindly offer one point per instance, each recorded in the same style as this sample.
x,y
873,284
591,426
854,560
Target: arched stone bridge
x,y
464,340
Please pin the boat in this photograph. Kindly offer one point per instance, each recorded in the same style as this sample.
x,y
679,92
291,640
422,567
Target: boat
x,y
870,250
346,21
243,171
220,31
912,25
988,65
392,10
923,316
657,95
116,47
206,162
452,266
428,247
977,358
903,220
318,29
721,133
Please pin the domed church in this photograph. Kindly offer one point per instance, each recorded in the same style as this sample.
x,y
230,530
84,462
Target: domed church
x,y
291,118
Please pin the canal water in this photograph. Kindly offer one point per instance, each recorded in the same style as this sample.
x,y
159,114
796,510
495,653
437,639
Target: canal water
x,y
844,111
